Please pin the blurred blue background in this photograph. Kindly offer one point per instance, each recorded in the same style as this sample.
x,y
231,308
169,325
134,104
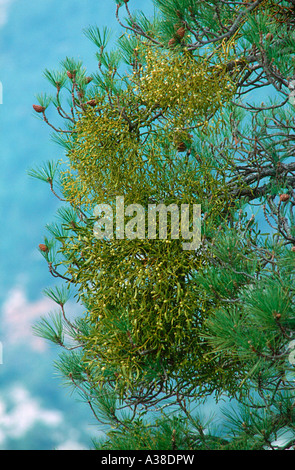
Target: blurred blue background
x,y
36,411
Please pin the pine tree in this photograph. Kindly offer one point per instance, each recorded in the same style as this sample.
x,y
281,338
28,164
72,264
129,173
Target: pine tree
x,y
174,115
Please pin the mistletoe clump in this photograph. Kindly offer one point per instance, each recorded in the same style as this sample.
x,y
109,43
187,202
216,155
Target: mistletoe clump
x,y
187,88
143,311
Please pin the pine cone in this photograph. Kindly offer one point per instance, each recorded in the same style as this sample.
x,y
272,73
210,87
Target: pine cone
x,y
91,103
38,108
43,248
70,75
284,197
269,36
180,32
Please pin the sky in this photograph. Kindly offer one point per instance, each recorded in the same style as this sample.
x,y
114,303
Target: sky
x,y
4,10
